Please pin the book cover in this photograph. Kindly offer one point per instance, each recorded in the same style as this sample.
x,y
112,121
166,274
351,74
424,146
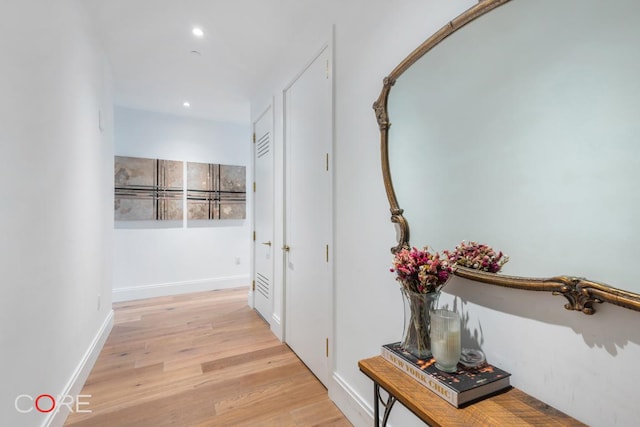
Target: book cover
x,y
457,388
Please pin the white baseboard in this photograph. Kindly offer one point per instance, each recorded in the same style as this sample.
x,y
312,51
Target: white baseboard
x,y
276,327
352,405
165,289
274,323
250,301
360,412
79,377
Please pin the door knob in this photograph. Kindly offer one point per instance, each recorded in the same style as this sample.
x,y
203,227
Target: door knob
x,y
286,248
267,243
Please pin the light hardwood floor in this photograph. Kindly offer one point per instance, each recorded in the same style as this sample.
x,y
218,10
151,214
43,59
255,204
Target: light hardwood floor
x,y
201,359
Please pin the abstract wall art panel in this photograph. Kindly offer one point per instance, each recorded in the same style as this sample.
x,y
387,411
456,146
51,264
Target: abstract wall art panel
x,y
233,192
216,191
148,189
233,179
153,189
201,194
133,208
232,209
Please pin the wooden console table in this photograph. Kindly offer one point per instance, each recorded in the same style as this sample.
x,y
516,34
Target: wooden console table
x,y
509,408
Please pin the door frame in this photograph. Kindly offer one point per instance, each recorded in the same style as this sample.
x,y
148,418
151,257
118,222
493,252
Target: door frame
x,y
328,45
268,110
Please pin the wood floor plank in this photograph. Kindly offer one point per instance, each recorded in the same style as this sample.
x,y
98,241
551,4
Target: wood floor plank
x,y
200,360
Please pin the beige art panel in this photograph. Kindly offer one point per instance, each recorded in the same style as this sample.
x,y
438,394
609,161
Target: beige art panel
x,y
148,189
233,178
202,182
233,192
216,191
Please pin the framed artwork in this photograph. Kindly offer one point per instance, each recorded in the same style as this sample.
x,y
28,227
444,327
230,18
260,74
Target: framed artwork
x,y
153,189
216,191
148,189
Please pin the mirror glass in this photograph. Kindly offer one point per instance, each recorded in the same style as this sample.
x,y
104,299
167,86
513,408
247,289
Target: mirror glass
x,y
522,131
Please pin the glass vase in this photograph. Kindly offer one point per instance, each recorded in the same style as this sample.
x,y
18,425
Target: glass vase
x,y
417,307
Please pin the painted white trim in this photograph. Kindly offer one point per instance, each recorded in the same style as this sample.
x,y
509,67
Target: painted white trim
x,y
332,179
250,297
175,288
326,45
276,327
352,405
79,377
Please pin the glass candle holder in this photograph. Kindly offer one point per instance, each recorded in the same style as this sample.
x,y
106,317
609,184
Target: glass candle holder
x,y
445,339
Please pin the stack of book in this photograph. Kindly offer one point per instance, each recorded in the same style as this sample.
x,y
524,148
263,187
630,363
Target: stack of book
x,y
465,385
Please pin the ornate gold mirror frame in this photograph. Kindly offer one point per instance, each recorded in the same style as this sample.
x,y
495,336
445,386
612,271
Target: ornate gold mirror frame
x,y
580,293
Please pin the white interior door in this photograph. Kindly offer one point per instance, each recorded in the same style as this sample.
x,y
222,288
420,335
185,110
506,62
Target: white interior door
x,y
263,216
308,140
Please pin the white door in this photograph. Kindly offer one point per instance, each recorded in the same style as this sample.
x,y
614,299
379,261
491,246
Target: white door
x,y
263,216
308,140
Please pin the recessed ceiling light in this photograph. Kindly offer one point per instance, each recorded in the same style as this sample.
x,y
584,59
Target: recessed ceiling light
x,y
186,104
197,31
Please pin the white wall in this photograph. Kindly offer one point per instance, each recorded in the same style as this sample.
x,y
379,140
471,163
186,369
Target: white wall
x,y
56,204
150,260
579,364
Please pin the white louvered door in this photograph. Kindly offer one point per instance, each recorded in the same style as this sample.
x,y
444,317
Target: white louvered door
x,y
263,216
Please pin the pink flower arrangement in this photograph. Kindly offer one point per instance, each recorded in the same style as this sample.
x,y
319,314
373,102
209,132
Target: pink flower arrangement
x,y
477,256
420,270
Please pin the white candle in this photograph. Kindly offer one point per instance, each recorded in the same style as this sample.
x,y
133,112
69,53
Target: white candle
x,y
445,339
447,350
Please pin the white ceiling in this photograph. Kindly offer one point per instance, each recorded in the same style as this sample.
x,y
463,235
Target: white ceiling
x,y
149,44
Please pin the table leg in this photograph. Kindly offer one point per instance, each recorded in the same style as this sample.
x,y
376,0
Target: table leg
x,y
376,406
